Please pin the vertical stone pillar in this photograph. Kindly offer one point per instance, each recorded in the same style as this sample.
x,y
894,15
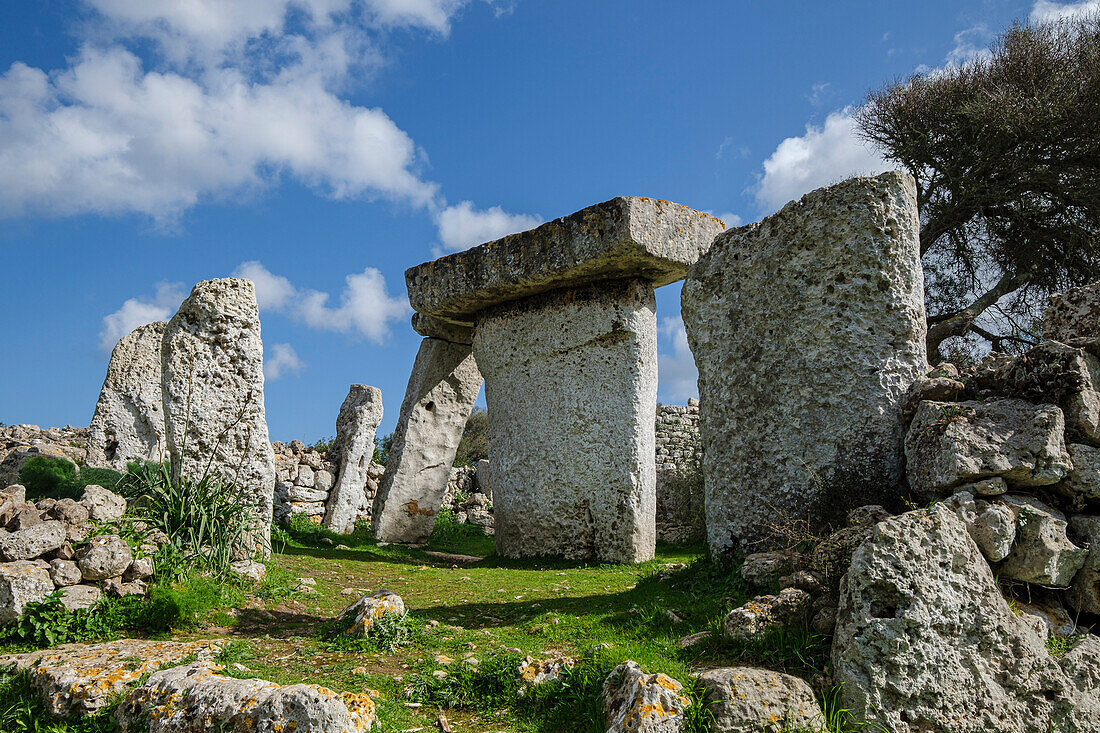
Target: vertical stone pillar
x,y
212,360
356,426
571,389
128,423
807,329
442,389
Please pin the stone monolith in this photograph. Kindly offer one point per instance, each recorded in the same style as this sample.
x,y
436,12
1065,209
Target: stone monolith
x,y
444,384
213,383
565,334
128,423
807,329
356,426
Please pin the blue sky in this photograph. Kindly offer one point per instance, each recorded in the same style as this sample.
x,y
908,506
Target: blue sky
x,y
324,146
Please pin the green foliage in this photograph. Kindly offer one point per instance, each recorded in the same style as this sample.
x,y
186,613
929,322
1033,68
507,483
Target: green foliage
x,y
58,478
1059,645
386,634
277,585
450,536
22,712
206,523
382,448
324,444
474,445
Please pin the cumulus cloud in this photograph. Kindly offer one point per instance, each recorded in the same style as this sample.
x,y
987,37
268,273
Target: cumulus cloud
x,y
280,359
462,226
730,219
678,379
1046,10
970,45
140,311
364,307
821,156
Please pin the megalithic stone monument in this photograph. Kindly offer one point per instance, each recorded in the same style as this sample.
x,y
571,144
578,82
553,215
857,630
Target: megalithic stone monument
x,y
212,360
356,425
129,417
808,328
565,334
440,395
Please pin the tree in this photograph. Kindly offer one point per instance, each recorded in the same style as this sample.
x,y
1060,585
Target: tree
x,y
1006,153
474,444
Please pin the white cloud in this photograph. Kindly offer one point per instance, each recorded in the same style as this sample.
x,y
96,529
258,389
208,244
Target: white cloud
x,y
730,219
365,305
280,359
141,311
970,45
821,156
677,377
1046,11
462,226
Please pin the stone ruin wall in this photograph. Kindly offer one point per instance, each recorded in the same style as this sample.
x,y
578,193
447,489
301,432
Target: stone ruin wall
x,y
680,511
304,478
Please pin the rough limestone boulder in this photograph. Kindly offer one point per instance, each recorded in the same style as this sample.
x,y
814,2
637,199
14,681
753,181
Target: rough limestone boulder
x,y
809,323
992,526
33,541
764,568
949,444
636,702
22,582
1083,481
194,698
534,671
128,423
356,426
77,597
925,642
103,505
753,620
1042,553
1074,313
748,700
64,572
106,556
358,618
1084,594
213,386
81,679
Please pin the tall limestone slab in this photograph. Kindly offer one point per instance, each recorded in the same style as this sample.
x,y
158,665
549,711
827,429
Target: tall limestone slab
x,y
128,423
807,329
356,426
440,395
213,385
565,334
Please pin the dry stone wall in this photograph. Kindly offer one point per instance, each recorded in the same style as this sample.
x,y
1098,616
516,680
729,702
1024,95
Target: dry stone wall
x,y
680,511
305,478
20,442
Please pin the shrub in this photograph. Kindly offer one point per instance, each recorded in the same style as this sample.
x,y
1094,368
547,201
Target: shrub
x,y
382,448
58,478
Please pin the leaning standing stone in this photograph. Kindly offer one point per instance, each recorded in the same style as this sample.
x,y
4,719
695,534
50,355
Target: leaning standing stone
x,y
213,382
807,329
129,417
356,426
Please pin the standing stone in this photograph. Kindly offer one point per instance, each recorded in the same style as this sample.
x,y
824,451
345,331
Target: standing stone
x,y
213,383
571,387
1073,314
565,334
444,383
807,329
356,426
129,420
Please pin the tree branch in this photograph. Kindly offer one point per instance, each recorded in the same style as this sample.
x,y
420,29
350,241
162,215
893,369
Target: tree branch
x,y
963,321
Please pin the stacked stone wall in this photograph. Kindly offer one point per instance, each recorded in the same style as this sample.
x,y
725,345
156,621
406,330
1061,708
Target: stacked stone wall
x,y
304,479
680,510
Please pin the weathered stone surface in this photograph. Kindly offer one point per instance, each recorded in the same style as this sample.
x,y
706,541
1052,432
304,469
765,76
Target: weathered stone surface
x,y
1084,594
33,541
1083,480
636,702
571,391
536,671
64,572
356,426
103,505
808,329
748,700
213,385
70,512
1082,666
935,389
194,698
128,423
628,237
249,569
22,582
81,679
756,618
954,443
358,618
106,556
992,526
1072,314
429,327
764,568
77,597
986,487
441,392
925,641
1041,553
